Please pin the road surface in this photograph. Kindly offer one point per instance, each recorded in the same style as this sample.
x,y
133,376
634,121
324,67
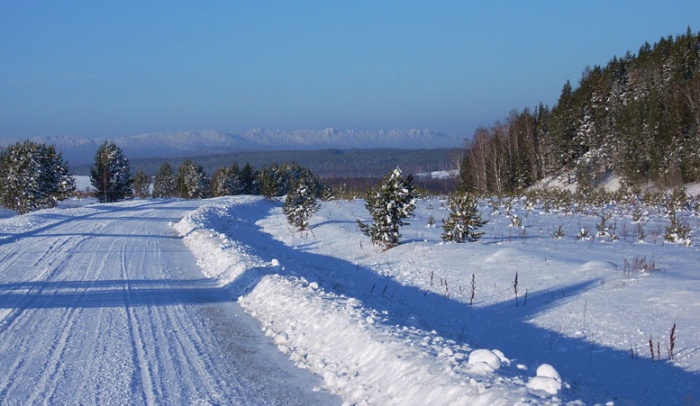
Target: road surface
x,y
105,305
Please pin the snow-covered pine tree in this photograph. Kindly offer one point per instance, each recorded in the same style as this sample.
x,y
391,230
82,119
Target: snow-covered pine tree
x,y
236,182
464,219
222,182
192,181
301,203
164,183
34,176
389,204
142,183
111,174
273,181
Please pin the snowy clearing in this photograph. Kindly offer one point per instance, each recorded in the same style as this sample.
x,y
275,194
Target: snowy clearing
x,y
396,327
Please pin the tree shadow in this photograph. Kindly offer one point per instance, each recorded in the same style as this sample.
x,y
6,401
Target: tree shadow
x,y
60,217
596,373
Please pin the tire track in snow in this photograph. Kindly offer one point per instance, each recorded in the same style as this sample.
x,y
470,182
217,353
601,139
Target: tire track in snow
x,y
141,380
52,370
34,284
21,319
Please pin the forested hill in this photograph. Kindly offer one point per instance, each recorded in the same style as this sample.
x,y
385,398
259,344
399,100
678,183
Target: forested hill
x,y
637,117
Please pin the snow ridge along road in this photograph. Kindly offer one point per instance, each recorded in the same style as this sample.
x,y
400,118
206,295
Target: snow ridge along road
x,y
105,305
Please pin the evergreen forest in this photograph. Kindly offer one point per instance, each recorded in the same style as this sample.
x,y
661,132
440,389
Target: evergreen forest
x,y
638,118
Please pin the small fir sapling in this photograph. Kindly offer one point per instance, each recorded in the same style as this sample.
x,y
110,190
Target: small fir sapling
x,y
389,204
677,232
583,234
464,220
300,203
558,233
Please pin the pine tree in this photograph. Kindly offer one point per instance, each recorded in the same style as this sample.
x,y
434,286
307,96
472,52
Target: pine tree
x,y
34,176
273,181
192,181
164,183
301,203
111,175
248,180
222,183
389,204
142,183
464,220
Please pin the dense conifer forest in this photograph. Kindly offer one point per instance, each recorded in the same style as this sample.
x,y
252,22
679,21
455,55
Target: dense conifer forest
x,y
638,117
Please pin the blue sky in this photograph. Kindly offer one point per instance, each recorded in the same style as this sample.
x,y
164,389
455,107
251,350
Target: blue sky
x,y
94,68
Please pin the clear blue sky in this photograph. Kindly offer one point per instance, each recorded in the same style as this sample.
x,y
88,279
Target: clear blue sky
x,y
111,68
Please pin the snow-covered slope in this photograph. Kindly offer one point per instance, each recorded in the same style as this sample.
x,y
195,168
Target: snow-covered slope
x,y
80,151
397,327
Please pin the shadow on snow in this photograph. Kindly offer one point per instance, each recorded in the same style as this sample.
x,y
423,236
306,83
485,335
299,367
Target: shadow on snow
x,y
591,369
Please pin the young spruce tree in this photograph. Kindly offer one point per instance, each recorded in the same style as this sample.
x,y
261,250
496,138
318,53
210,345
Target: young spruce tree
x,y
192,181
142,183
464,220
164,182
111,174
389,204
301,203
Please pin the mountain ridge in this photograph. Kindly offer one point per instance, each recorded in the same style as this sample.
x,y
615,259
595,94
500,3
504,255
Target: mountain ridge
x,y
81,150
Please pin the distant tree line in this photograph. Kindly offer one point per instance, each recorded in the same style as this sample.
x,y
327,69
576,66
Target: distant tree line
x,y
35,177
637,117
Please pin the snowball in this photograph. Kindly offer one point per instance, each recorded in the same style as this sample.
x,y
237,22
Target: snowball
x,y
547,380
485,356
548,371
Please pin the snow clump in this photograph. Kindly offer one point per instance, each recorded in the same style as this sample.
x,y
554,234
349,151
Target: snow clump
x,y
484,361
547,380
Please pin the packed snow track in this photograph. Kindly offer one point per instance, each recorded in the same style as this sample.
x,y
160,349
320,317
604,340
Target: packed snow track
x,y
105,305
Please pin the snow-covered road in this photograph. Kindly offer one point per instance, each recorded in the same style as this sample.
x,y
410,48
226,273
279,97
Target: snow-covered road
x,y
105,305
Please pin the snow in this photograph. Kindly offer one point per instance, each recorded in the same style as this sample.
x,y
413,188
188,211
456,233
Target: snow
x,y
395,326
110,307
547,380
105,305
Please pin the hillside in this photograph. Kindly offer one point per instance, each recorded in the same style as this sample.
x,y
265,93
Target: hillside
x,y
637,117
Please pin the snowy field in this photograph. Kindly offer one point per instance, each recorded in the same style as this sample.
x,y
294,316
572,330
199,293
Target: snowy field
x,y
403,327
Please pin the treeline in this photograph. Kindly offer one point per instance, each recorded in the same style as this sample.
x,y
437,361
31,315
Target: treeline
x,y
192,182
637,117
329,163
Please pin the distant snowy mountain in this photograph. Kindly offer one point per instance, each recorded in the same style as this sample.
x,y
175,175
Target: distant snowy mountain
x,y
80,151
